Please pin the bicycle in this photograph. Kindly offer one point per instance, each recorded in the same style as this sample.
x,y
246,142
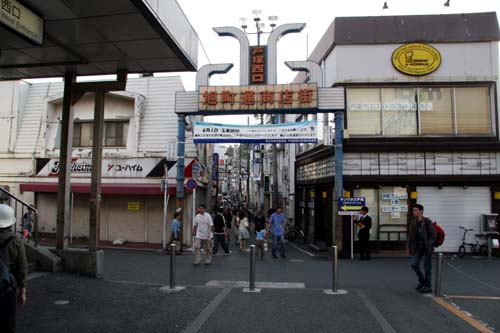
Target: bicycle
x,y
295,233
475,248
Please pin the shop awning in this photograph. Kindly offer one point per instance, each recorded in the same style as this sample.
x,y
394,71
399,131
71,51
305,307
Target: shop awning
x,y
118,189
96,37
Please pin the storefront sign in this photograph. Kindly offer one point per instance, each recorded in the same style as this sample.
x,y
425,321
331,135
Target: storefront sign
x,y
82,167
303,132
215,167
134,205
258,97
350,206
258,65
416,59
391,106
22,21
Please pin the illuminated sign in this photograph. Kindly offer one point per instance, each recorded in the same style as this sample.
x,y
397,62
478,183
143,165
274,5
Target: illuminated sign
x,y
416,59
22,21
263,97
258,65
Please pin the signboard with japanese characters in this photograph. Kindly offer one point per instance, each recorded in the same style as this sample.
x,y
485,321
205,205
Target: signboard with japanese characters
x,y
258,97
258,65
303,132
22,21
350,206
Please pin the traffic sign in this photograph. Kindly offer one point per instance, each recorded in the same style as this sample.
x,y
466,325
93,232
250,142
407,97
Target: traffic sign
x,y
350,206
191,184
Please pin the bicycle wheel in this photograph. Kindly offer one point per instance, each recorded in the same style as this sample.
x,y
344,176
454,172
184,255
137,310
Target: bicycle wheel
x,y
461,251
483,250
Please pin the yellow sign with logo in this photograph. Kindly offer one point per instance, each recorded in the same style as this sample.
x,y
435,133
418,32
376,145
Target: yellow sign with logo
x,y
134,205
416,59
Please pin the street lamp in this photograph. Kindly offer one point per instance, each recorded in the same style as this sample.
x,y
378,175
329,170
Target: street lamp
x,y
259,25
259,158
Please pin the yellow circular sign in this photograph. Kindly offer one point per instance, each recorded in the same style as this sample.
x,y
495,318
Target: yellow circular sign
x,y
416,59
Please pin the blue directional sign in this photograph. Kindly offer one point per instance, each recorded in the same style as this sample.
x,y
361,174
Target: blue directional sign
x,y
351,206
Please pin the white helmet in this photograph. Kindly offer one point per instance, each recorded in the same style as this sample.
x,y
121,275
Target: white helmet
x,y
7,217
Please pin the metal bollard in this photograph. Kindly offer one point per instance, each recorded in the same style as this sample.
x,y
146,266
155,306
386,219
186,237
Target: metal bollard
x,y
439,275
251,288
335,275
172,266
172,288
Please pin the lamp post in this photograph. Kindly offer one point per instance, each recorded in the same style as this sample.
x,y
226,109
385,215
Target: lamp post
x,y
259,25
259,156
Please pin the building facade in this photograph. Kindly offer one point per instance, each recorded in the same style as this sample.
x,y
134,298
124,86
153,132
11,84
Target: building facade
x,y
409,137
140,130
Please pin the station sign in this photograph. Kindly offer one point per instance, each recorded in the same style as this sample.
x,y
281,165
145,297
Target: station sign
x,y
258,97
22,21
351,206
258,65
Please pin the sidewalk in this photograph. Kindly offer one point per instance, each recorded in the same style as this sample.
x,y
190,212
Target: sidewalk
x,y
380,296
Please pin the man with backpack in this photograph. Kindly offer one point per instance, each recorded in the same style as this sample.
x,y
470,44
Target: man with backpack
x,y
421,237
13,271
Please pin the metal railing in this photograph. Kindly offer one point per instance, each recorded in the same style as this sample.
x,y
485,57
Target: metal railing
x,y
29,216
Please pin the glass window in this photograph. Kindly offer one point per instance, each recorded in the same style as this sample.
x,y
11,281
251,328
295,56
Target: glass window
x,y
363,111
436,111
115,134
400,111
393,213
86,133
473,110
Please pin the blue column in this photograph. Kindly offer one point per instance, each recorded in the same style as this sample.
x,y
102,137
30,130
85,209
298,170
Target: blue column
x,y
339,169
181,138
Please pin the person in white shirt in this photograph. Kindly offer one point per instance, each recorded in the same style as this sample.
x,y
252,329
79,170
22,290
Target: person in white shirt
x,y
202,229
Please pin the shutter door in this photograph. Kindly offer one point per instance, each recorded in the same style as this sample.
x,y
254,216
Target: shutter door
x,y
452,207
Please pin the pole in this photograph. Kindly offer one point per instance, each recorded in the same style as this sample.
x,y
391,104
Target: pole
x,y
251,288
339,160
335,268
181,138
172,266
352,238
165,210
439,275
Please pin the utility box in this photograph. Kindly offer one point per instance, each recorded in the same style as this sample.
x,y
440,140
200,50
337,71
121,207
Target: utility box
x,y
489,223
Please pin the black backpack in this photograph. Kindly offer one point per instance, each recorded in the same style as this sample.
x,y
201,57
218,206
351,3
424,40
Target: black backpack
x,y
6,278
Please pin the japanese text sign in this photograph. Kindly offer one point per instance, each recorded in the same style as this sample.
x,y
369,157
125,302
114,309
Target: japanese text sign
x,y
350,206
23,21
258,65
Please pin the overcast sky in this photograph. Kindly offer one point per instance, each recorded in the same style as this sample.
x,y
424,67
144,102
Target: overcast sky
x,y
317,14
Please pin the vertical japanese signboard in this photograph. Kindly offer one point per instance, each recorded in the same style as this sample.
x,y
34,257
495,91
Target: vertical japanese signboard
x,y
258,65
215,167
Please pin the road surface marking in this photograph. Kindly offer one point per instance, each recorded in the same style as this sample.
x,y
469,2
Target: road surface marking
x,y
299,249
34,275
196,325
244,284
488,298
460,314
384,324
472,278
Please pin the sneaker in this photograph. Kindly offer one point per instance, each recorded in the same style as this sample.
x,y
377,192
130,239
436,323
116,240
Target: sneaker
x,y
426,290
196,263
208,263
419,286
275,257
227,253
283,256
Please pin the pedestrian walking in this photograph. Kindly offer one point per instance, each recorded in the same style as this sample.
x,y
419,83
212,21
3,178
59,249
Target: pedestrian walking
x,y
220,233
228,217
236,222
202,229
243,230
364,224
13,271
259,220
421,238
260,232
277,223
175,235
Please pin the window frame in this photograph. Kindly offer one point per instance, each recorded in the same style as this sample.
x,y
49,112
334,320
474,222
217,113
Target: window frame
x,y
107,121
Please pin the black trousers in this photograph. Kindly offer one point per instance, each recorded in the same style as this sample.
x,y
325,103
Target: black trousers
x,y
220,239
8,304
364,245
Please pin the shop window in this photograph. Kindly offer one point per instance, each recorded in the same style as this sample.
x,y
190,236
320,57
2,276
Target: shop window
x,y
399,111
436,111
364,111
114,133
393,213
473,111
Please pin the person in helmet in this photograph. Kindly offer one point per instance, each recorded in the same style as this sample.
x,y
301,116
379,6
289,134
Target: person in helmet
x,y
14,264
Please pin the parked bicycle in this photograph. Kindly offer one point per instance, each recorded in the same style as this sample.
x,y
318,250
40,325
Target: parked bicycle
x,y
475,248
295,233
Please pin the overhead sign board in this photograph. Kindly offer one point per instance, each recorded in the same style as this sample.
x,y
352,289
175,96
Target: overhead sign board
x,y
19,19
303,132
416,59
350,206
258,65
258,97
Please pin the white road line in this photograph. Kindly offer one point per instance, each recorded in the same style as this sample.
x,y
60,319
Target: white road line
x,y
301,250
472,278
384,324
196,325
136,283
244,284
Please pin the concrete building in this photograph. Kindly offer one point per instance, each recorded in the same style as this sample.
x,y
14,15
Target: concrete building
x,y
409,137
140,129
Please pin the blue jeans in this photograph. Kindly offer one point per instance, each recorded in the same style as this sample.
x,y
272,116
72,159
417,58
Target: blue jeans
x,y
278,239
425,280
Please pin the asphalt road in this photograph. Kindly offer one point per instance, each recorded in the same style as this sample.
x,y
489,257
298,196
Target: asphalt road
x,y
380,296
